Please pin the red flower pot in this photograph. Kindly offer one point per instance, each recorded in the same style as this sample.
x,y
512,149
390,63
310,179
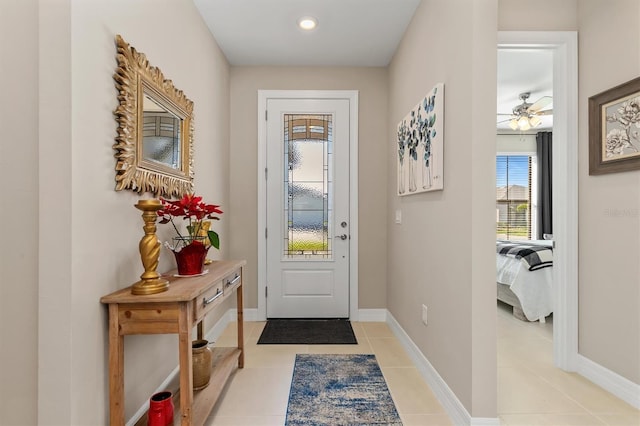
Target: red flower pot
x,y
161,409
190,259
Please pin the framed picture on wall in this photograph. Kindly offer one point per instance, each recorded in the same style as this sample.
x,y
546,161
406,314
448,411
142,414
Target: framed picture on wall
x,y
420,145
614,129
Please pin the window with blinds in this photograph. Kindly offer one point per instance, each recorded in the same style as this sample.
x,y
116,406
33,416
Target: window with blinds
x,y
513,197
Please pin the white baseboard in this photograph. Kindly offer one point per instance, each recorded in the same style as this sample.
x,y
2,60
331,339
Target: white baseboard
x,y
250,314
450,402
610,381
166,384
485,421
601,376
372,315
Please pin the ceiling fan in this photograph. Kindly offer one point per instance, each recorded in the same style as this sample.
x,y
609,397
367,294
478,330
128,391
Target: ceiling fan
x,y
527,115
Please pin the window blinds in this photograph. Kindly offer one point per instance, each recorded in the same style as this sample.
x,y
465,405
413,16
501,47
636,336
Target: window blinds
x,y
513,197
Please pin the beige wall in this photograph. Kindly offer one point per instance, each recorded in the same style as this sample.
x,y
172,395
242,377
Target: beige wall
x,y
609,215
55,323
371,83
19,206
541,15
88,233
441,254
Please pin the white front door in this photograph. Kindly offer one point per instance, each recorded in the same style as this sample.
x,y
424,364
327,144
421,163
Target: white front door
x,y
307,199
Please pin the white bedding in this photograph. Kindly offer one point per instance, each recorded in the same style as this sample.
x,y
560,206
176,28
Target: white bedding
x,y
533,288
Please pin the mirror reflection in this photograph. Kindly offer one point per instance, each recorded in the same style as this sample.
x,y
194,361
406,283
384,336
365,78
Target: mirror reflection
x,y
160,134
154,145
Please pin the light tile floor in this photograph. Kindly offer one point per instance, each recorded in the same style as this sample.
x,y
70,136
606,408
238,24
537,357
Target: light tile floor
x,y
258,394
530,390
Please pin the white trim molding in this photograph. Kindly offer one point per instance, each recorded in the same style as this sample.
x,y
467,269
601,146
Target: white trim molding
x,y
607,379
248,315
450,402
172,381
352,97
564,45
372,315
610,381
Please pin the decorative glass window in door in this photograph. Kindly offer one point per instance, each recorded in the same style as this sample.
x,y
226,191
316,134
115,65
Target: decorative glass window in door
x,y
308,186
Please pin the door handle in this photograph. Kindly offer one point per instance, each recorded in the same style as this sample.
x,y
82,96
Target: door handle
x,y
342,237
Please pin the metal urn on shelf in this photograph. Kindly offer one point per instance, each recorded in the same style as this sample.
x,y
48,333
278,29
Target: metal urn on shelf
x,y
201,358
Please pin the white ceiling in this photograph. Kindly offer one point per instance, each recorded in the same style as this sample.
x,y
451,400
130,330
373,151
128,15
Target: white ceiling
x,y
522,71
351,33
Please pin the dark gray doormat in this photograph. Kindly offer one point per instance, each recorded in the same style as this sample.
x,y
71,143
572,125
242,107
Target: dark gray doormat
x,y
307,332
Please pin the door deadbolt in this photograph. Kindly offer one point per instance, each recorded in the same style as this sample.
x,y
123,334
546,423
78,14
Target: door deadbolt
x,y
343,224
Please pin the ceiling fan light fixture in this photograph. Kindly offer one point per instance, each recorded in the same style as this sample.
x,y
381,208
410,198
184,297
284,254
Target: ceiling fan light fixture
x,y
523,123
535,121
307,23
527,115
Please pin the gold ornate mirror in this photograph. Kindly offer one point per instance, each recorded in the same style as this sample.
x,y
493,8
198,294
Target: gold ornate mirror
x,y
154,146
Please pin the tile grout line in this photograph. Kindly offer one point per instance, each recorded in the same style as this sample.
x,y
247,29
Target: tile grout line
x,y
569,397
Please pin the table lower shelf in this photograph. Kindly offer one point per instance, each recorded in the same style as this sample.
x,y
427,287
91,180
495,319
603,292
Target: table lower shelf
x,y
224,362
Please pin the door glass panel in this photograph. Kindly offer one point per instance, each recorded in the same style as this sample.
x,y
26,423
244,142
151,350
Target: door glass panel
x,y
308,186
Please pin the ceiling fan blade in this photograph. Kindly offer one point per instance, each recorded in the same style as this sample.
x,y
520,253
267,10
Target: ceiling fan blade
x,y
545,112
509,114
540,103
504,121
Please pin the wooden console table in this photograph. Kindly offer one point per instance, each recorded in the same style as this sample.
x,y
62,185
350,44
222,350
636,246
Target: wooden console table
x,y
176,311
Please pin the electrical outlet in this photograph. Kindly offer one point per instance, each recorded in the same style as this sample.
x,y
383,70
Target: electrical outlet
x,y
424,314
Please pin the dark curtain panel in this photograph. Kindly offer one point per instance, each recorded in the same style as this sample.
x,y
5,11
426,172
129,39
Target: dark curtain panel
x,y
545,225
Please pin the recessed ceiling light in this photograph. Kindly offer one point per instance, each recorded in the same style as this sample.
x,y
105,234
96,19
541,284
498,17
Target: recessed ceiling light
x,y
307,23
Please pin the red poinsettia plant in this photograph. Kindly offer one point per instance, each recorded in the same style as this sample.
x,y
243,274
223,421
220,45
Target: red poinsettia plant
x,y
191,208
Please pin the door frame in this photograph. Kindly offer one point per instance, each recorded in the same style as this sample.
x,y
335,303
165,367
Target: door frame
x,y
352,97
564,45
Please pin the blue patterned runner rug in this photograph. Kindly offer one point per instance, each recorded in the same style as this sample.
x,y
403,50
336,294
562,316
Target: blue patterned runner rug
x,y
339,390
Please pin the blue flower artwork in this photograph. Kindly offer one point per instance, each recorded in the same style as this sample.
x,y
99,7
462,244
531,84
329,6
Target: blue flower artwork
x,y
420,135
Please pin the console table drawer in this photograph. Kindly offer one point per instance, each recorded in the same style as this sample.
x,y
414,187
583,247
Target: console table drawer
x,y
148,318
209,299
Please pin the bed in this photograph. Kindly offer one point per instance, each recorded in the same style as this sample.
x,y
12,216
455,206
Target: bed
x,y
524,277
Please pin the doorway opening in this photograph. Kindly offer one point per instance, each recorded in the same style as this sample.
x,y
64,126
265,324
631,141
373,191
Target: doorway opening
x,y
563,47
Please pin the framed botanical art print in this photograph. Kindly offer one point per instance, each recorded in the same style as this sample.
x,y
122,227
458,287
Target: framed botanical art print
x,y
420,145
614,129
